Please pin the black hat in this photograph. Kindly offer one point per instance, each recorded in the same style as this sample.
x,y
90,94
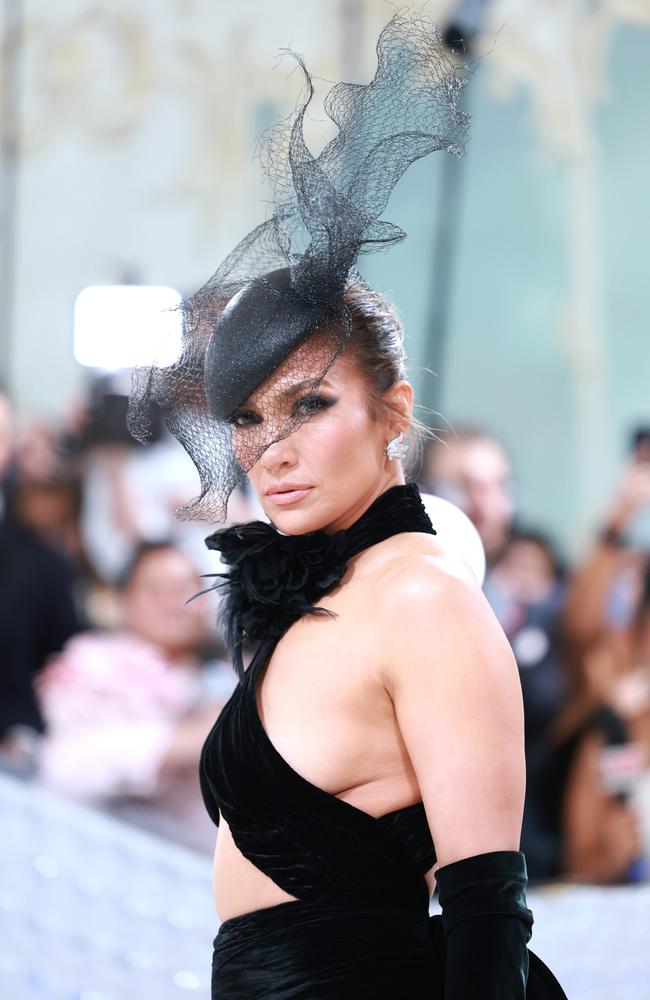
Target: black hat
x,y
281,321
286,280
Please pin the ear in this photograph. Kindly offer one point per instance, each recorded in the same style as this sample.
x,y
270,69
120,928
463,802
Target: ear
x,y
399,399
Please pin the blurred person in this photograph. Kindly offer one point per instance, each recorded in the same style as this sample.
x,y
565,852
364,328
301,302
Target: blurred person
x,y
37,613
573,827
598,824
127,713
618,670
583,803
50,508
619,665
130,493
603,629
46,491
473,470
527,590
130,496
605,587
323,883
38,458
44,496
525,587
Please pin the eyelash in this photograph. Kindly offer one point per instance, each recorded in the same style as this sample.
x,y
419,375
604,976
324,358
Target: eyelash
x,y
314,404
317,403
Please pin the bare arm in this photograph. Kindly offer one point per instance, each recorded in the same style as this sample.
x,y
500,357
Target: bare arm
x,y
455,686
457,697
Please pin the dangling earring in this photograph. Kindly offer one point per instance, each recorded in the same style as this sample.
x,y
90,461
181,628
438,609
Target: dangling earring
x,y
397,447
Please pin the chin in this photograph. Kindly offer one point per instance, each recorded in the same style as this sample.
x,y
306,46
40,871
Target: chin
x,y
297,519
295,522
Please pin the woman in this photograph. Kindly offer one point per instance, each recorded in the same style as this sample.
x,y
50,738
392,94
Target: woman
x,y
380,713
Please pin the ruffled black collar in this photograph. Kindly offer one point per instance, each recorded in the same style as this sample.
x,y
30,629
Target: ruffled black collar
x,y
275,579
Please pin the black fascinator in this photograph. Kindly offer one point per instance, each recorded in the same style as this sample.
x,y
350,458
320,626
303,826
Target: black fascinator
x,y
276,305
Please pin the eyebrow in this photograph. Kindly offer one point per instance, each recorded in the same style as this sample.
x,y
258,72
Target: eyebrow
x,y
309,383
292,390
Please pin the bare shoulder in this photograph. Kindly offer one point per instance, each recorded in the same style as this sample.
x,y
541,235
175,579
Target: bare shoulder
x,y
433,617
416,581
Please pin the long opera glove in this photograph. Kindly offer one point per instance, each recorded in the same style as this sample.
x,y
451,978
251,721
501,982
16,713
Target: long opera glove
x,y
486,926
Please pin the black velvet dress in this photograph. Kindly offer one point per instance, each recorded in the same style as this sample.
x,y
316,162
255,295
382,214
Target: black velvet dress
x,y
360,925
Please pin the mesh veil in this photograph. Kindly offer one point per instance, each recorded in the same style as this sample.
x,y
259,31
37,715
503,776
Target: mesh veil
x,y
269,323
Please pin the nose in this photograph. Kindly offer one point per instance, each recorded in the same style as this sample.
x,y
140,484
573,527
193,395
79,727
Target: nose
x,y
279,455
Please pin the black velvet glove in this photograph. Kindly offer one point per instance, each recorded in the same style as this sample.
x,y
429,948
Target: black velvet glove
x,y
486,926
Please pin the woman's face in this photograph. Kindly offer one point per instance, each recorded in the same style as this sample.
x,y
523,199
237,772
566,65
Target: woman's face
x,y
326,472
155,602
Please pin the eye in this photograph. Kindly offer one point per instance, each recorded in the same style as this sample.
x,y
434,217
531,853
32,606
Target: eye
x,y
243,418
311,404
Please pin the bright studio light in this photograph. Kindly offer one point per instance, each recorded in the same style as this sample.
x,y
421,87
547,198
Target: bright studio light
x,y
119,326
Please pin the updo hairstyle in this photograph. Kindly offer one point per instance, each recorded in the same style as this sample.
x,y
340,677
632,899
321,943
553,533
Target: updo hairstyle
x,y
377,345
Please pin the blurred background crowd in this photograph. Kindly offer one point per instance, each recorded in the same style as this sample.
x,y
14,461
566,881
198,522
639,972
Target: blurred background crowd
x,y
110,679
127,159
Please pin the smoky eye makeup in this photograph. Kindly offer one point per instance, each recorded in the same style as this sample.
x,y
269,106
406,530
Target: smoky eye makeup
x,y
313,403
244,418
307,405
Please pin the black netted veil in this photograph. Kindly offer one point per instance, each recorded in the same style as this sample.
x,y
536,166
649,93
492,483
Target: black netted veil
x,y
263,331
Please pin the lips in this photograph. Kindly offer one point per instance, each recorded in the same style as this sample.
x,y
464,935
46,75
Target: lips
x,y
287,494
287,488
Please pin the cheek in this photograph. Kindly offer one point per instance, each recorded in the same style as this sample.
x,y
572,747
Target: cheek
x,y
254,477
138,609
246,448
344,432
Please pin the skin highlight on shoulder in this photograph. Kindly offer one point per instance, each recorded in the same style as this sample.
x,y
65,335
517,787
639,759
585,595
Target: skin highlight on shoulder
x,y
417,563
434,604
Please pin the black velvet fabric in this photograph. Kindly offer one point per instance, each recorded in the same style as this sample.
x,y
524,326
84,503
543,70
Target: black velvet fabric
x,y
359,926
330,948
274,579
484,914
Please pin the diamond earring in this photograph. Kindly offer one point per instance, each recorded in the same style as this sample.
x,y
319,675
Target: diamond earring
x,y
397,447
